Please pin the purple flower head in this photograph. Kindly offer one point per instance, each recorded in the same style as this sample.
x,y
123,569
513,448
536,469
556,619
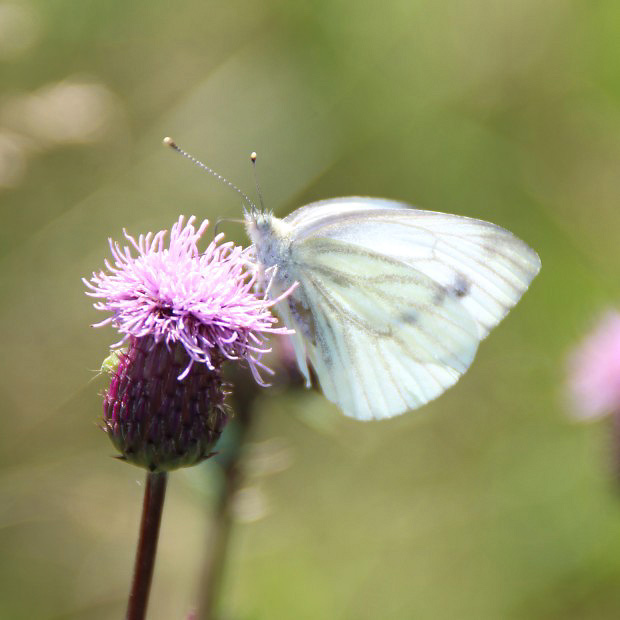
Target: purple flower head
x,y
182,313
594,370
203,300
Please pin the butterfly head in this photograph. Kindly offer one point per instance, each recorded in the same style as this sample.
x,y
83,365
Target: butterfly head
x,y
269,234
258,224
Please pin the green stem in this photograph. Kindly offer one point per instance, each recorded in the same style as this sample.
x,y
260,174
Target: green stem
x,y
152,508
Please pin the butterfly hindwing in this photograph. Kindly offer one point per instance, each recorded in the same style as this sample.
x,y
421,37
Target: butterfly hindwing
x,y
382,337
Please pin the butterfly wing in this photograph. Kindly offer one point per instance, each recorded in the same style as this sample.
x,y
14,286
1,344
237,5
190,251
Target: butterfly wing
x,y
485,266
382,337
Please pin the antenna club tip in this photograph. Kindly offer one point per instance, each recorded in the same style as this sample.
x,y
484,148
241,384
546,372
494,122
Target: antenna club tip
x,y
253,156
168,141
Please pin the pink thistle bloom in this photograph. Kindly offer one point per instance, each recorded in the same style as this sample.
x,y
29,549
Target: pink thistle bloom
x,y
594,370
183,313
202,300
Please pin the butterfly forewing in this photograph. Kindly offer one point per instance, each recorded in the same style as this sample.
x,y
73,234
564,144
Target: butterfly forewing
x,y
486,266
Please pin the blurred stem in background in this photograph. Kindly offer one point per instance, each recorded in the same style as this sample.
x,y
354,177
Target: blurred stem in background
x,y
230,460
231,455
152,508
615,449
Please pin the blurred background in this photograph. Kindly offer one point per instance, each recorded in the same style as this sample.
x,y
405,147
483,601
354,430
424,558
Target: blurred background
x,y
488,503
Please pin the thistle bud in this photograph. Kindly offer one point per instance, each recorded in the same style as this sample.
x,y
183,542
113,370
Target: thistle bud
x,y
153,419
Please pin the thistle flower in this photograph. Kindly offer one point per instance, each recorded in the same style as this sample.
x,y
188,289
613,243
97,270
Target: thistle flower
x,y
181,313
594,370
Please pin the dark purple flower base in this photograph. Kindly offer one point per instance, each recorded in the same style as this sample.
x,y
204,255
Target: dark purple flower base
x,y
157,421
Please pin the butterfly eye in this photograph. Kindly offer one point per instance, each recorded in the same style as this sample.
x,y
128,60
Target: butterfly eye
x,y
261,222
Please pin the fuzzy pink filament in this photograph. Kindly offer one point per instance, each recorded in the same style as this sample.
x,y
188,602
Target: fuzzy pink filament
x,y
204,300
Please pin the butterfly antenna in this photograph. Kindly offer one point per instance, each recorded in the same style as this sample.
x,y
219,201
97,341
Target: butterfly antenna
x,y
253,157
173,145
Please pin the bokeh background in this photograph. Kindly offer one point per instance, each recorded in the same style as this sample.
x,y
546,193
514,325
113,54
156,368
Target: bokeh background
x,y
488,503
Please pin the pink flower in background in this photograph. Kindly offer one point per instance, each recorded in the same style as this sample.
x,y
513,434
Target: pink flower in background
x,y
594,370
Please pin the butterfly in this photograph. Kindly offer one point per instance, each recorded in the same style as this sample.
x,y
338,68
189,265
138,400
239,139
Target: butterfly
x,y
388,302
391,301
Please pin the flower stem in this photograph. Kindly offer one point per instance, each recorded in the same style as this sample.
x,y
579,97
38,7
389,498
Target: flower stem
x,y
152,508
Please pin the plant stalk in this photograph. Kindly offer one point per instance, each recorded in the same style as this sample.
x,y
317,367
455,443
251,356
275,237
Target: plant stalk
x,y
152,508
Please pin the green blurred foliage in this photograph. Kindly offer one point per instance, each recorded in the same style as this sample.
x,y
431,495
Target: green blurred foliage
x,y
488,503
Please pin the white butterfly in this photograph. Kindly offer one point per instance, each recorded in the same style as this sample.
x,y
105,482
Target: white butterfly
x,y
392,301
